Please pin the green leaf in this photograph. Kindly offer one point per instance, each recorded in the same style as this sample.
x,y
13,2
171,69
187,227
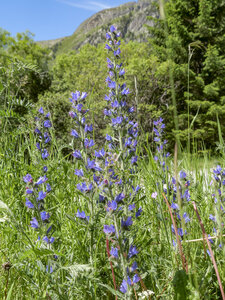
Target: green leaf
x,y
3,205
77,270
10,292
116,293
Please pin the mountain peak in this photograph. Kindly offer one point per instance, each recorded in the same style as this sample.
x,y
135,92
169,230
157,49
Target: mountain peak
x,y
129,19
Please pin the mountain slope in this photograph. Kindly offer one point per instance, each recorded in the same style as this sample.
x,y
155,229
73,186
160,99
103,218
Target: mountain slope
x,y
129,18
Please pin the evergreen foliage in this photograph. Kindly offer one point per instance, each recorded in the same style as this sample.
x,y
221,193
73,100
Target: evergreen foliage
x,y
191,41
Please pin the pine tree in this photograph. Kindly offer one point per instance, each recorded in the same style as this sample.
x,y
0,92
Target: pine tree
x,y
192,41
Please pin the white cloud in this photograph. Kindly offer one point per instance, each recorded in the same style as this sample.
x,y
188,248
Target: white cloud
x,y
89,5
99,4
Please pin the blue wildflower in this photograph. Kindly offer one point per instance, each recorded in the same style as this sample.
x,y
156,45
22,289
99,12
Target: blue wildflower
x,y
109,229
79,173
114,252
44,154
74,133
47,124
45,216
111,206
123,287
126,223
132,251
81,215
138,213
41,195
41,110
34,223
29,204
77,154
28,178
48,188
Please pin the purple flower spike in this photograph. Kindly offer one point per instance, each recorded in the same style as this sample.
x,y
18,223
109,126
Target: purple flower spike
x,y
45,239
117,52
72,114
121,72
174,206
88,143
138,213
119,197
108,138
218,170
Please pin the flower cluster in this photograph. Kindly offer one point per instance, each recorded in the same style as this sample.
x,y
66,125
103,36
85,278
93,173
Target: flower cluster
x,y
170,189
119,190
42,131
185,197
219,200
160,143
38,190
82,135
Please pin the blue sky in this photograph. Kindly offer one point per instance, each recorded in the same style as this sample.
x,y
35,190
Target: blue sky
x,y
49,19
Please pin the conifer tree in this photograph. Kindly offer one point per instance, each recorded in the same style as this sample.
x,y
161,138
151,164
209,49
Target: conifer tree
x,y
191,41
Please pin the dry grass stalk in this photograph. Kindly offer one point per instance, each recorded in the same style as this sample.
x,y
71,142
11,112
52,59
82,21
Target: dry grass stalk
x,y
210,250
184,263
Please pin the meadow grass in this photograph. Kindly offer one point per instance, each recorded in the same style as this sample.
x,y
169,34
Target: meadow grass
x,y
74,277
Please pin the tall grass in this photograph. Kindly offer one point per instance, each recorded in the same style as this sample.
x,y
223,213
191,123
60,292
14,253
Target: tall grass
x,y
74,278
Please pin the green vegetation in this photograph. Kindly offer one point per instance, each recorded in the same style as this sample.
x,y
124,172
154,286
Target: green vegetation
x,y
191,42
180,70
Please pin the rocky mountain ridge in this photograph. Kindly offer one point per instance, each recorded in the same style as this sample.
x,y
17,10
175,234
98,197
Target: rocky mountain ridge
x,y
129,19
